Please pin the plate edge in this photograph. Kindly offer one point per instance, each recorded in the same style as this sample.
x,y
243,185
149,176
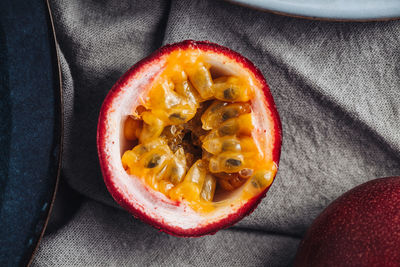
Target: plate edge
x,y
312,18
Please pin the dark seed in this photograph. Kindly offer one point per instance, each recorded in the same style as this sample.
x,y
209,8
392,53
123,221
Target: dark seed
x,y
154,161
227,130
255,184
230,113
231,146
218,106
261,179
230,93
233,162
177,116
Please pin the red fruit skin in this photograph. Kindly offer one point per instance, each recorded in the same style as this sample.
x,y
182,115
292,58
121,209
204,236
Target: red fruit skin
x,y
108,176
360,228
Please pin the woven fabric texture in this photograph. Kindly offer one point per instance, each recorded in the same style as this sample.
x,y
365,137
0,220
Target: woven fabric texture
x,y
336,87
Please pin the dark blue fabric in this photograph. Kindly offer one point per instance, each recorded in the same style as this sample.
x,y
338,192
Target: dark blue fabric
x,y
30,126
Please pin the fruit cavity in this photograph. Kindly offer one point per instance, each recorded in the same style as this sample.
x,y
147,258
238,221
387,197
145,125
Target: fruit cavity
x,y
192,138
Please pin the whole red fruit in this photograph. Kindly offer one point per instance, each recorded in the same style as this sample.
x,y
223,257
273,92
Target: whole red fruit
x,y
360,228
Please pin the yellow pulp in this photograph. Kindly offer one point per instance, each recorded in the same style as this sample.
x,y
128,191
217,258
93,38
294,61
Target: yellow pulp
x,y
229,156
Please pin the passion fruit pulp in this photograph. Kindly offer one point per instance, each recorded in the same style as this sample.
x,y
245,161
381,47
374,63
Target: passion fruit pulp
x,y
189,138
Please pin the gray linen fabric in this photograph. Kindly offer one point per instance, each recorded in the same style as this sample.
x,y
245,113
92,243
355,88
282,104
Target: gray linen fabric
x,y
336,86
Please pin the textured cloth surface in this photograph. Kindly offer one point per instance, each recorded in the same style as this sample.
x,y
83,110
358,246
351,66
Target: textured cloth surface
x,y
336,87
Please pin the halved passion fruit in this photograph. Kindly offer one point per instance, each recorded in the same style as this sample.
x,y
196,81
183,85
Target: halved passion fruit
x,y
189,138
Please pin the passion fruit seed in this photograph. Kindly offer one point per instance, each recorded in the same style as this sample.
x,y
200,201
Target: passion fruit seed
x,y
152,128
177,174
232,163
202,81
217,105
194,134
190,92
220,112
226,162
179,165
177,117
231,145
262,179
229,113
230,94
210,183
154,161
212,146
141,149
163,172
228,129
192,185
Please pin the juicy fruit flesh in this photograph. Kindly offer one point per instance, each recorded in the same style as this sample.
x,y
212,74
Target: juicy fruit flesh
x,y
192,136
